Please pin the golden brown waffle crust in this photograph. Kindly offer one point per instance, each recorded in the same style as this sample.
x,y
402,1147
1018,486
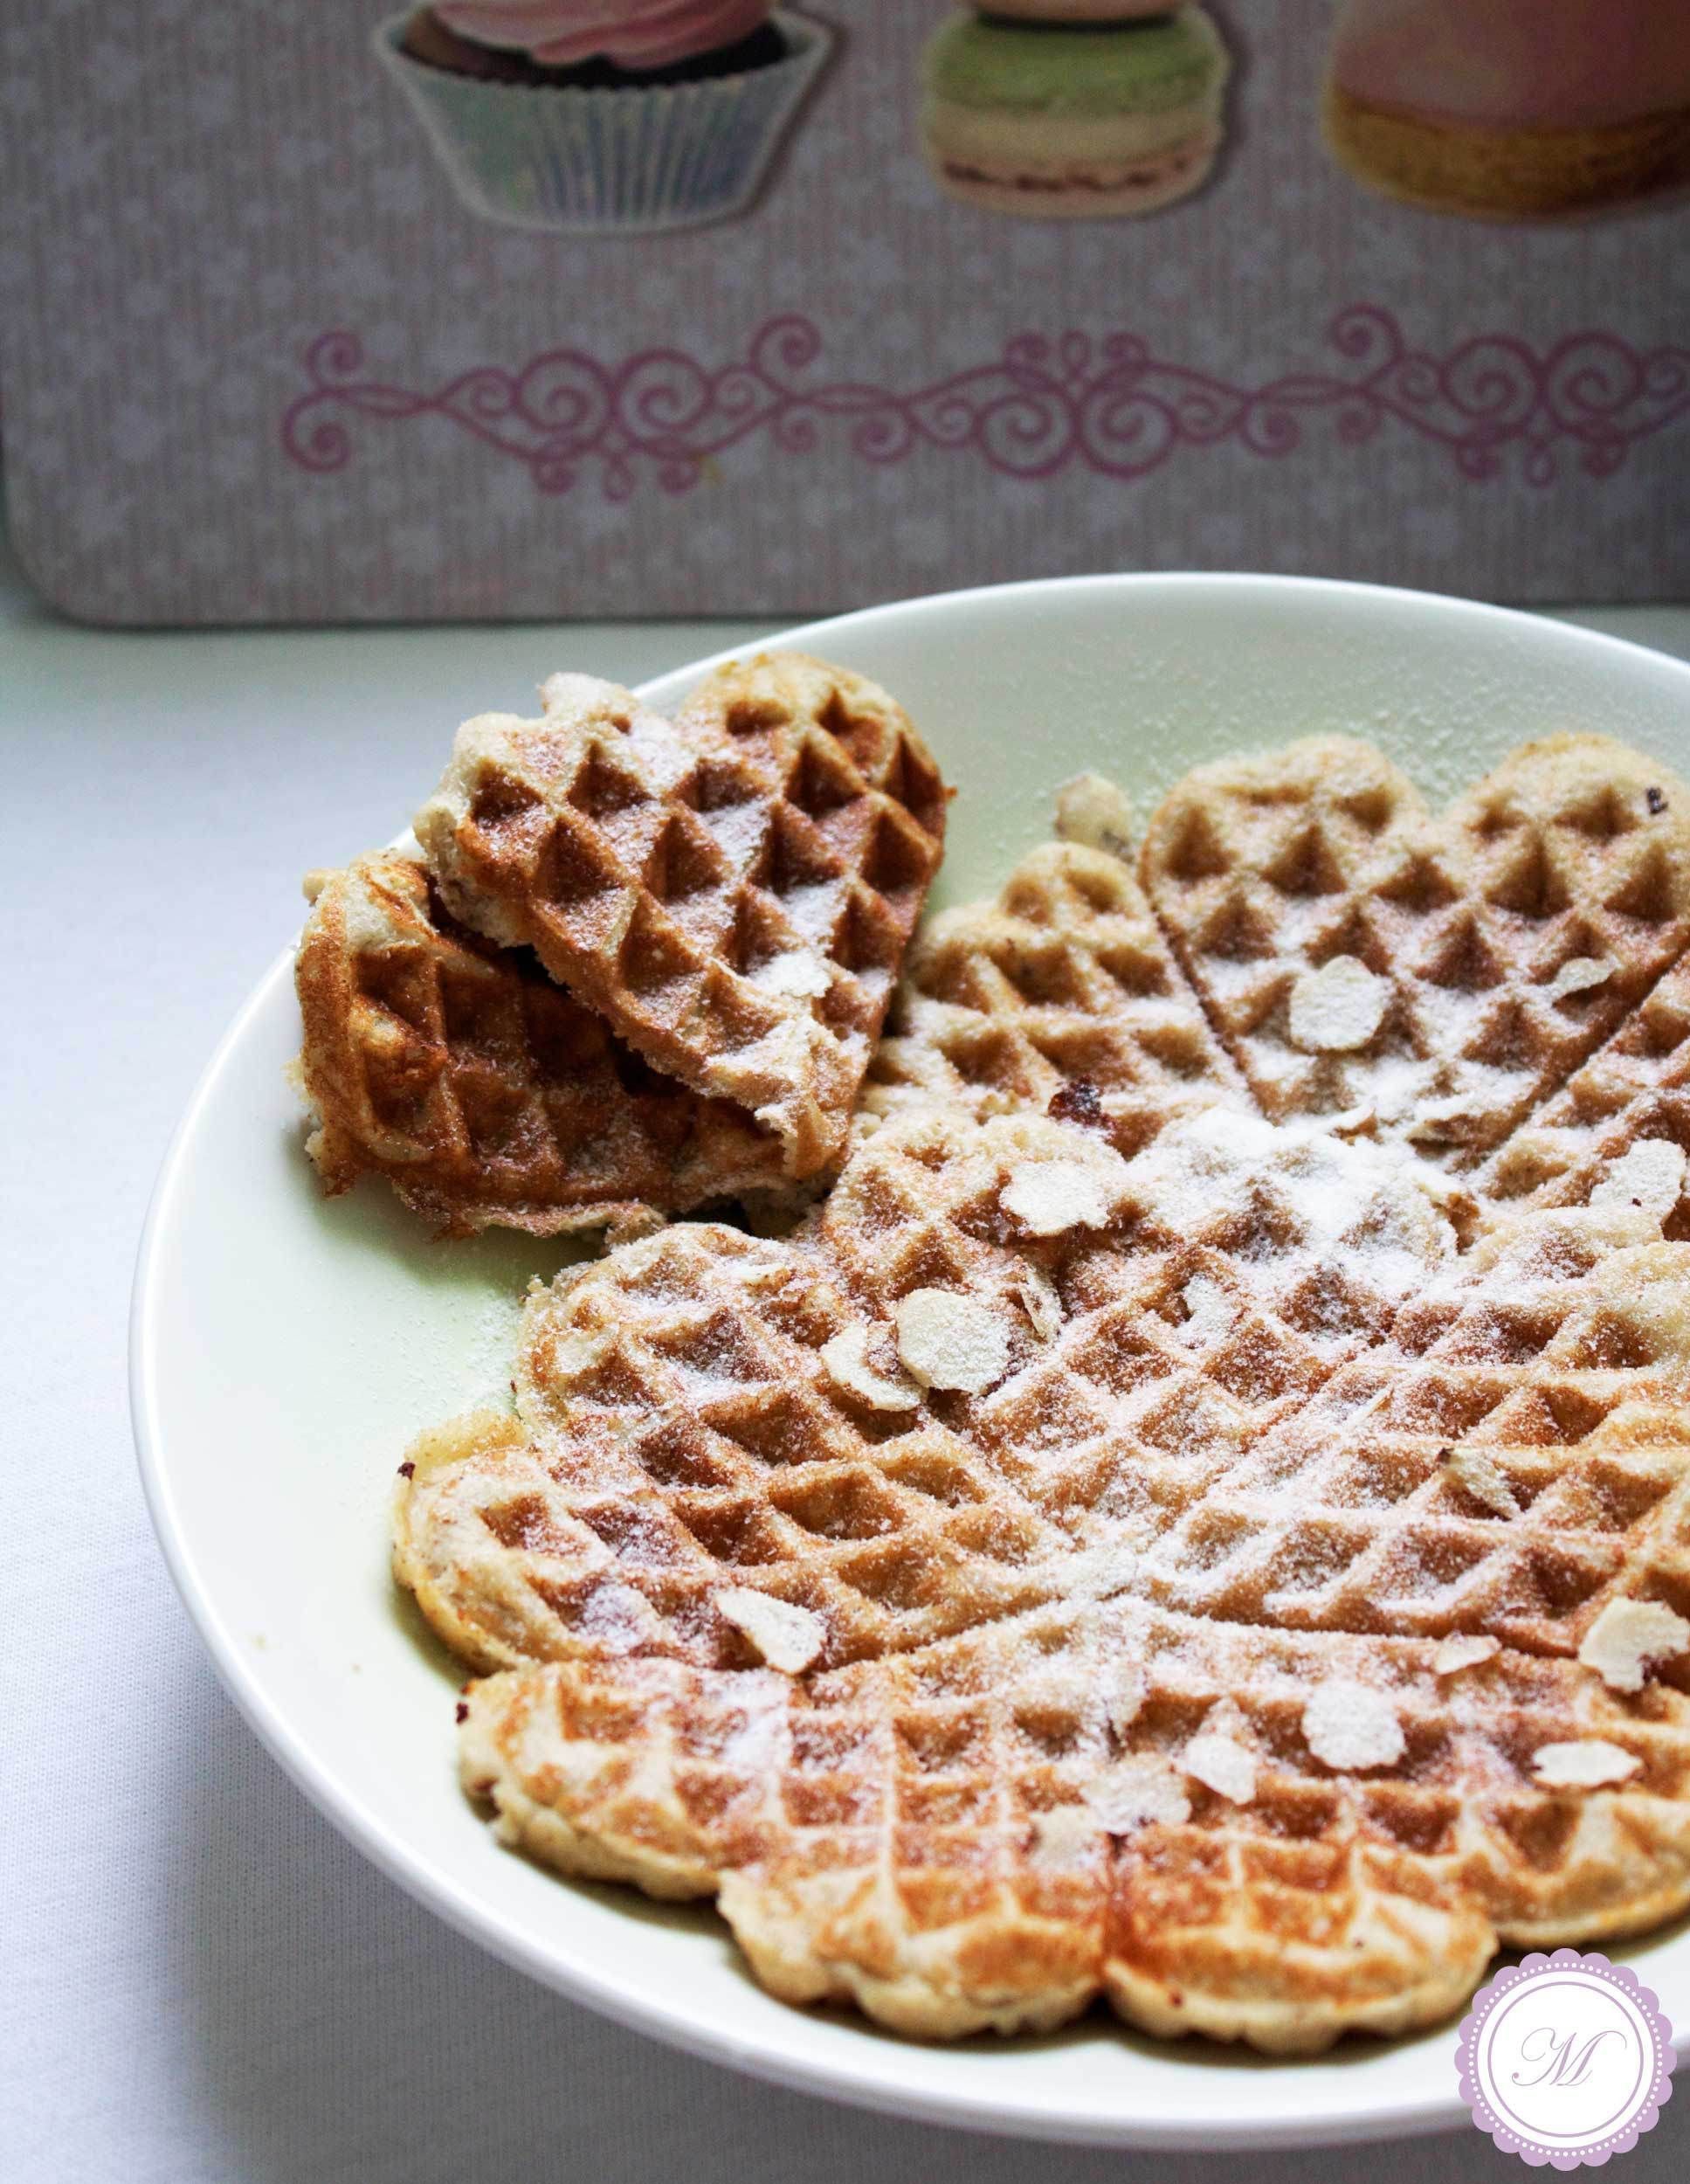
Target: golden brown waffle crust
x,y
732,891
484,1093
1232,1565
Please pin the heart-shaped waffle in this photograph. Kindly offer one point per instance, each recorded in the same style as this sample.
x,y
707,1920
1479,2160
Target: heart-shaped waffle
x,y
485,1093
1065,981
1434,980
1188,1578
732,891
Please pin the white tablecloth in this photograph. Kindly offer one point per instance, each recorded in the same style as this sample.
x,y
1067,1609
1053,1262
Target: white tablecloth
x,y
199,1980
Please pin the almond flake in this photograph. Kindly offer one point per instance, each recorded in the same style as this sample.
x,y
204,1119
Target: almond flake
x,y
1577,975
797,973
1338,1008
788,1638
1095,813
850,1366
1650,1174
1627,1635
1221,1764
1137,1792
1462,1652
951,1341
1209,1313
1124,1693
1063,1836
1586,1764
1476,1472
1038,1296
1352,1727
1050,1196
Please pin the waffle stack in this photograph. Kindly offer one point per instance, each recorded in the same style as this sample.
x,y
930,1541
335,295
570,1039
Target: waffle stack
x,y
639,966
1200,1514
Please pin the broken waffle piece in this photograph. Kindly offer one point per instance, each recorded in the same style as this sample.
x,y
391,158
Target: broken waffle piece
x,y
484,1093
733,891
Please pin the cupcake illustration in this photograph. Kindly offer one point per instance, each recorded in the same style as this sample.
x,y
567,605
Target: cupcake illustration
x,y
1511,109
1074,109
605,116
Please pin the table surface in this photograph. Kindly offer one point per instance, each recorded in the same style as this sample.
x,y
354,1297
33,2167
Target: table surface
x,y
204,1983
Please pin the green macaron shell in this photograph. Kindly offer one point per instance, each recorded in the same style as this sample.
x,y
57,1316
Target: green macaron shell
x,y
1149,66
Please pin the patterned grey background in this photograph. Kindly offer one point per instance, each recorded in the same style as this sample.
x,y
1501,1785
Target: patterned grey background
x,y
195,195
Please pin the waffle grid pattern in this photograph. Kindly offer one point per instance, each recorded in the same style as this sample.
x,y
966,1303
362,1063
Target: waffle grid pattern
x,y
1261,1427
484,1093
732,893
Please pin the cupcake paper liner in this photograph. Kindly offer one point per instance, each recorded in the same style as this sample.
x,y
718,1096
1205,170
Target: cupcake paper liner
x,y
634,159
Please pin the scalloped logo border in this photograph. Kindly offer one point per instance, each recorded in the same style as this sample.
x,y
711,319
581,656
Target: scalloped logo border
x,y
1655,2089
1049,404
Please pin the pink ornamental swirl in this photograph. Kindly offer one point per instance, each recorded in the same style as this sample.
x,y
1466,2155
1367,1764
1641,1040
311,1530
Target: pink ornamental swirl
x,y
1109,406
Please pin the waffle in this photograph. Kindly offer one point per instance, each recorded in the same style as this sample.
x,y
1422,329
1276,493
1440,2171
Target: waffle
x,y
733,892
1432,980
484,1093
1061,989
1217,1599
1634,1092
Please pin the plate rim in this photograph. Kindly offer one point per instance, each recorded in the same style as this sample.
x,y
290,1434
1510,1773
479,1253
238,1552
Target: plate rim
x,y
433,1885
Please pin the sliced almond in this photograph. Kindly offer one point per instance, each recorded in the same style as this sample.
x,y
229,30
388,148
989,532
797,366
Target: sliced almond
x,y
1037,1295
1095,813
950,1341
1337,1008
1050,1196
856,1362
1351,1727
788,1638
1649,1174
1137,1792
1476,1472
1627,1635
1588,1763
1577,975
1463,1652
1223,1765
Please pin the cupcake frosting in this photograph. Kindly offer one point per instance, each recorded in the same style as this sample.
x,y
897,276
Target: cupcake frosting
x,y
633,34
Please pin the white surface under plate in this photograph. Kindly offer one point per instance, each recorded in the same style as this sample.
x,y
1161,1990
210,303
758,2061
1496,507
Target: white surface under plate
x,y
286,1349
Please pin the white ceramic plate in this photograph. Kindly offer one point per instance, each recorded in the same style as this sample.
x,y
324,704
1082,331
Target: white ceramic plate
x,y
286,1349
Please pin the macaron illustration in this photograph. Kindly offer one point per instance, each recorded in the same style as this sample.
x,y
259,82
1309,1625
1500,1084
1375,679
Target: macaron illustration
x,y
1511,109
625,117
1074,109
